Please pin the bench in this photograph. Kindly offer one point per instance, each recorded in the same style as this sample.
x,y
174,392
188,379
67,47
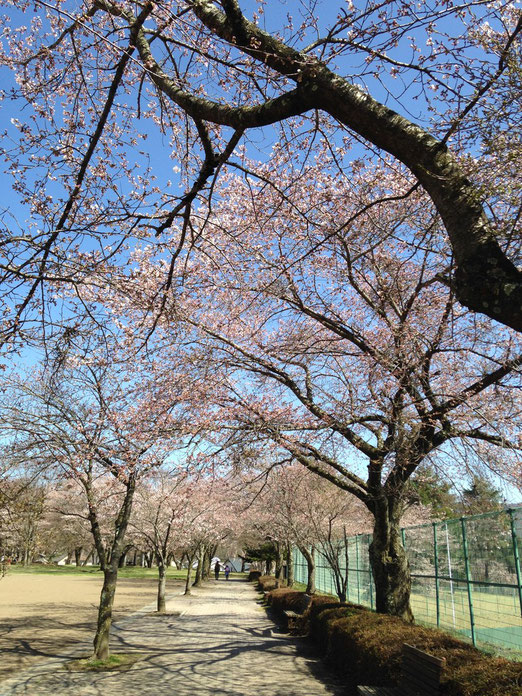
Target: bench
x,y
420,676
292,617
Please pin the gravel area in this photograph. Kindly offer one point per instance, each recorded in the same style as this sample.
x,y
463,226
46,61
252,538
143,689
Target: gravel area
x,y
45,616
216,641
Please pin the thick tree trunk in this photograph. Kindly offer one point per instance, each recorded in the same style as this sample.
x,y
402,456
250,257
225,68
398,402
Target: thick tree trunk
x,y
205,565
279,563
189,573
198,580
485,280
77,555
110,568
310,562
101,640
389,563
162,581
210,552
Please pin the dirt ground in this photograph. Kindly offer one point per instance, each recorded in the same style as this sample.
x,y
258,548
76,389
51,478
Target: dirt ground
x,y
47,616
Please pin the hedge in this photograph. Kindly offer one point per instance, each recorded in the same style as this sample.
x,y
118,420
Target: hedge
x,y
266,583
366,648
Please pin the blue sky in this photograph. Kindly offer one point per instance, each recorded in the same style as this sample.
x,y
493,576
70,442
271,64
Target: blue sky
x,y
14,215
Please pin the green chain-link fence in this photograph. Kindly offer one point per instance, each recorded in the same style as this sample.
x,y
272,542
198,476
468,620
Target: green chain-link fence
x,y
466,577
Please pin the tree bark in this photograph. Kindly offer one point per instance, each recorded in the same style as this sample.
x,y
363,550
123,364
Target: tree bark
x,y
205,565
189,573
162,581
310,562
210,552
198,580
389,563
279,562
101,640
88,557
77,555
289,566
110,568
485,279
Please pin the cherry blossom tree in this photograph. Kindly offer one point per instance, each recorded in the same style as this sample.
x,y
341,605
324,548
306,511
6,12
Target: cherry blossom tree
x,y
159,520
22,516
266,532
318,274
204,81
67,519
105,423
312,514
384,369
213,519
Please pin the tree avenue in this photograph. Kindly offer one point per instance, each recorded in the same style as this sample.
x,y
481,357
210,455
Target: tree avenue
x,y
295,280
341,349
102,77
97,418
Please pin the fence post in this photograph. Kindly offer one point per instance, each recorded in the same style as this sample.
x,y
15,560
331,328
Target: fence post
x,y
468,579
370,575
349,570
357,568
436,560
516,556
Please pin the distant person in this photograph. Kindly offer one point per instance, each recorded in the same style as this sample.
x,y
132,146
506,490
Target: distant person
x,y
217,568
227,571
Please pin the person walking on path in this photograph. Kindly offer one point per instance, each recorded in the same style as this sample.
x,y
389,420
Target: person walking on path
x,y
227,571
217,568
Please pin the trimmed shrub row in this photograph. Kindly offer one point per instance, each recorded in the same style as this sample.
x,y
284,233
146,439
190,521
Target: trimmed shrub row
x,y
267,583
285,598
366,647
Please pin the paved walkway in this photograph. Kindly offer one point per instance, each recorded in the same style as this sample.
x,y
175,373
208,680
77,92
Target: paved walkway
x,y
220,643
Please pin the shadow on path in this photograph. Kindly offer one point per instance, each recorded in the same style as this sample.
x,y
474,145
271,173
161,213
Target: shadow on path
x,y
221,643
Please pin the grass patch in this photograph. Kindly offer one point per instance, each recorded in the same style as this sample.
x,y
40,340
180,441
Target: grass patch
x,y
50,569
138,572
127,572
117,661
